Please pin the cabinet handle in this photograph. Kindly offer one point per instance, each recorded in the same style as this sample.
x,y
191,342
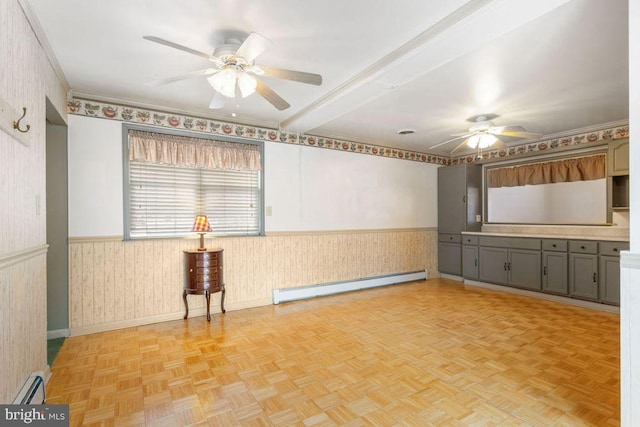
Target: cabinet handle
x,y
191,270
464,199
476,262
544,271
505,266
581,247
615,249
509,266
594,278
554,245
450,238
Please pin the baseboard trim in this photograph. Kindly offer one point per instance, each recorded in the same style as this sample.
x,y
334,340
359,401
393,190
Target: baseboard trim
x,y
57,333
452,277
306,292
167,317
543,296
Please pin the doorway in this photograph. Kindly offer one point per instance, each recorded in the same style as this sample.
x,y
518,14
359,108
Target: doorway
x,y
57,231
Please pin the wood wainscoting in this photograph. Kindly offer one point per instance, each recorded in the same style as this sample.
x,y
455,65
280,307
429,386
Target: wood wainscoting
x,y
116,284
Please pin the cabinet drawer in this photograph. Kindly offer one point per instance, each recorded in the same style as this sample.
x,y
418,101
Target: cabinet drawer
x,y
554,245
510,242
583,246
613,248
469,240
452,238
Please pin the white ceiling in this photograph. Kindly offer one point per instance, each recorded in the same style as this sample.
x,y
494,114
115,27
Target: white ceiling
x,y
549,65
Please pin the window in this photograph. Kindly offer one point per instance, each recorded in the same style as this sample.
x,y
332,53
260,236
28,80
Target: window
x,y
169,179
554,191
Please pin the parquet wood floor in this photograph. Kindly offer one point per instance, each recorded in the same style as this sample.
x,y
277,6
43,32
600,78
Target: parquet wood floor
x,y
420,354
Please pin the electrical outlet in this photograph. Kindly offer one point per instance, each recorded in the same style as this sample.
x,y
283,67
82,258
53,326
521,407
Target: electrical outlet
x,y
478,218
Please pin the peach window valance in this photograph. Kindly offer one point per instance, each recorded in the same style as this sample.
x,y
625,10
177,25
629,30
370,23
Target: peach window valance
x,y
569,170
184,151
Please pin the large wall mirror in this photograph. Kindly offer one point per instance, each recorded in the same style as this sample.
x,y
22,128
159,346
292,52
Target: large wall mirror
x,y
569,190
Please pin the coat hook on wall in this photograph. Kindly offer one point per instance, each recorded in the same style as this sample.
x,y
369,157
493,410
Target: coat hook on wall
x,y
16,124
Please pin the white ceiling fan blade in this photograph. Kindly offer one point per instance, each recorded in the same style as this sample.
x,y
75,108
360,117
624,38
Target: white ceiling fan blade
x,y
451,140
274,99
253,46
516,131
211,58
498,145
463,144
297,76
218,101
526,135
177,46
205,72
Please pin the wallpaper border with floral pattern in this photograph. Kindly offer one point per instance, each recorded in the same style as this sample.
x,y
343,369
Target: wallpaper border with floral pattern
x,y
114,111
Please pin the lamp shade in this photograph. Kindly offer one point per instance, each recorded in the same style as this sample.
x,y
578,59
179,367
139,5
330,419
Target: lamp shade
x,y
201,224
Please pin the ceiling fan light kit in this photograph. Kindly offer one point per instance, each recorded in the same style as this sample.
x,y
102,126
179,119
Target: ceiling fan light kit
x,y
236,71
484,134
482,140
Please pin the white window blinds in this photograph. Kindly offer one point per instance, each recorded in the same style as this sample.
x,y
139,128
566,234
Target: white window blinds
x,y
164,199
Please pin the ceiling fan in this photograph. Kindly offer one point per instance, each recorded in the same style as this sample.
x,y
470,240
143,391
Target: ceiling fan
x,y
484,134
235,73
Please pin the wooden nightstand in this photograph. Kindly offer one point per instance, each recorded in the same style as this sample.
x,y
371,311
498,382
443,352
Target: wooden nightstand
x,y
203,276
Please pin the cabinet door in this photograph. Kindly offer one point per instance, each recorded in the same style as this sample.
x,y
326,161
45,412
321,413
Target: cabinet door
x,y
470,266
524,268
493,265
583,276
618,156
555,277
451,199
450,258
610,279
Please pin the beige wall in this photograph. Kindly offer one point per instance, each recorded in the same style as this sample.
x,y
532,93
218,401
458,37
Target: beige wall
x,y
115,284
26,80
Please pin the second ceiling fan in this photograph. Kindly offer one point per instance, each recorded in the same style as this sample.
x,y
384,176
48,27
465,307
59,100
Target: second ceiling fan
x,y
235,72
484,134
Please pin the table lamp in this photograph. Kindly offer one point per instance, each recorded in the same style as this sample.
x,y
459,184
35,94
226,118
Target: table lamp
x,y
201,226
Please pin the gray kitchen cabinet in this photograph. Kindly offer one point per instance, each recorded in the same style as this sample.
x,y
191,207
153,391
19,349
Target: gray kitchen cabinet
x,y
493,265
583,275
510,261
555,266
513,267
581,269
470,257
459,207
450,253
555,275
609,271
470,265
459,198
523,268
610,279
450,258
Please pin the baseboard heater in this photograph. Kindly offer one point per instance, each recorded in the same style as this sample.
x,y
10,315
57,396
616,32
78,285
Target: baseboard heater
x,y
33,390
304,292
